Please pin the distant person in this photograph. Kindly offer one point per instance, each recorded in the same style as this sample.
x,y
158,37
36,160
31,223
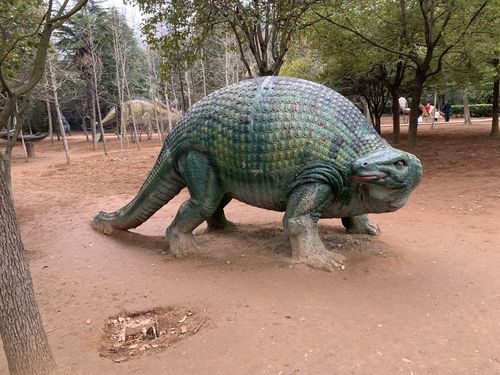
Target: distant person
x,y
428,108
421,111
403,107
436,114
446,110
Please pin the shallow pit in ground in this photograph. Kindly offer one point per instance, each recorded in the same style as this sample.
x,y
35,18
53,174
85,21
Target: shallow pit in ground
x,y
131,335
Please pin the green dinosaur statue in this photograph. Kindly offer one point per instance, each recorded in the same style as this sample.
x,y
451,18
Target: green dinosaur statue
x,y
144,112
277,143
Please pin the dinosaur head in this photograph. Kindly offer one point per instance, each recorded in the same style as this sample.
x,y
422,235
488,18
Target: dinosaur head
x,y
385,178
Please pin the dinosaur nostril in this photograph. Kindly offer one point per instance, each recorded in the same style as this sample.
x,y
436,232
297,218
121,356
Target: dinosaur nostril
x,y
365,164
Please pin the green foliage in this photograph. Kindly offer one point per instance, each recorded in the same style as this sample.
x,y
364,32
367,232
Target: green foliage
x,y
476,110
19,21
471,65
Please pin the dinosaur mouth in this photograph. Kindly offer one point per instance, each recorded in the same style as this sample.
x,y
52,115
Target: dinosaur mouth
x,y
368,177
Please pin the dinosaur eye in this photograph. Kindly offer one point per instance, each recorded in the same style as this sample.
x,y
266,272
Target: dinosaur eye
x,y
400,163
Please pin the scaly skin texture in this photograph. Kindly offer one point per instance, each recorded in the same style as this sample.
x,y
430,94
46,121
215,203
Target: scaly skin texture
x,y
277,143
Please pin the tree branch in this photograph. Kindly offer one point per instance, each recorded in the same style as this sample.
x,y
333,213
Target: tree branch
x,y
363,37
459,38
59,20
21,38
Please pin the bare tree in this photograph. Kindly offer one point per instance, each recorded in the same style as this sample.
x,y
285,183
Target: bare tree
x,y
153,77
117,42
96,68
122,84
55,97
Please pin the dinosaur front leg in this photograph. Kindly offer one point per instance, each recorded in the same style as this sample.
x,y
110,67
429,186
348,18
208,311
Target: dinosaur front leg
x,y
360,224
206,195
304,208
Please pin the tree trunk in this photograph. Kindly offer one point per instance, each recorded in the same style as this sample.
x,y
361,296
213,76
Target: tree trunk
x,y
84,126
98,109
157,122
415,101
176,102
226,58
167,100
58,109
25,149
433,115
29,126
24,340
7,157
203,74
119,85
366,108
183,96
188,87
396,126
467,120
494,108
378,124
93,117
101,128
134,123
51,126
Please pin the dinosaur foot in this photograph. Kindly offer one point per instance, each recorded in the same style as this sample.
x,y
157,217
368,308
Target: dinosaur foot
x,y
218,226
181,243
102,223
329,261
361,225
315,255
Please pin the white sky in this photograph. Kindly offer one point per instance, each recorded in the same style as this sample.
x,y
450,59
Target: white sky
x,y
131,13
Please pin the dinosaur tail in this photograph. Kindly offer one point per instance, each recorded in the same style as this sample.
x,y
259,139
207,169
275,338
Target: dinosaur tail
x,y
162,184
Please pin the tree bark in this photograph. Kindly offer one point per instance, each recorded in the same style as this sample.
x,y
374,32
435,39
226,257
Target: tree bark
x,y
7,157
184,104
188,86
98,110
467,120
169,112
494,108
24,340
396,126
226,58
51,126
134,123
415,101
84,125
58,109
203,74
91,102
433,115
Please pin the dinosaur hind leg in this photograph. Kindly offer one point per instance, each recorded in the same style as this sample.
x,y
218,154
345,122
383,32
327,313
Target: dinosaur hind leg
x,y
218,220
360,224
206,195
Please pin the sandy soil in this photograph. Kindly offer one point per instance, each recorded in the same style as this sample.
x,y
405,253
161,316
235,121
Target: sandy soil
x,y
423,298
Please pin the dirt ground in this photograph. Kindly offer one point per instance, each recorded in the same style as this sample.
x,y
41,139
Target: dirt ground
x,y
422,298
